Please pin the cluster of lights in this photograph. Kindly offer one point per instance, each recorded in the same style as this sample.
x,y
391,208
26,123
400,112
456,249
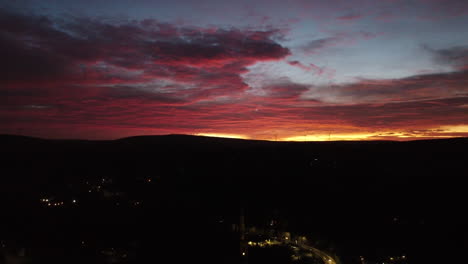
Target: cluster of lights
x,y
268,243
98,187
50,203
265,243
397,258
55,204
95,188
391,259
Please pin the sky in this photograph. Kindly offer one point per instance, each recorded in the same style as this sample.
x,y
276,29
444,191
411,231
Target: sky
x,y
257,69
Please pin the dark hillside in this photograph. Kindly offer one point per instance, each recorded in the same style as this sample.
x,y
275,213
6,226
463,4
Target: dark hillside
x,y
354,198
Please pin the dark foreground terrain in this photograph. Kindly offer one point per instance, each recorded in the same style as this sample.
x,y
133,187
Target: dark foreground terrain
x,y
179,198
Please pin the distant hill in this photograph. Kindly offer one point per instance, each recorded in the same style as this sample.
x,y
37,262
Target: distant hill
x,y
7,141
339,166
358,196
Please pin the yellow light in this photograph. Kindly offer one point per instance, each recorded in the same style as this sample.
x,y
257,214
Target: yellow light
x,y
327,137
221,135
456,129
434,132
243,253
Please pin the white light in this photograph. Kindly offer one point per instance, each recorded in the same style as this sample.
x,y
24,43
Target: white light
x,y
243,253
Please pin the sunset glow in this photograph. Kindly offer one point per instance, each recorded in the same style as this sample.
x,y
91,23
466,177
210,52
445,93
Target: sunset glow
x,y
270,70
221,135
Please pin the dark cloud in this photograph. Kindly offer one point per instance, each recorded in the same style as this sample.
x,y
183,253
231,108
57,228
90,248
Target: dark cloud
x,y
299,65
317,44
320,71
22,61
285,90
338,39
404,115
37,49
454,56
414,88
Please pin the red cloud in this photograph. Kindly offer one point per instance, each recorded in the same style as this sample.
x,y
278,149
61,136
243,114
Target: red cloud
x,y
90,79
201,62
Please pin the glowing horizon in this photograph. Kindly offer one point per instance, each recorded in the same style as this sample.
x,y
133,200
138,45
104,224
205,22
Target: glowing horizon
x,y
270,70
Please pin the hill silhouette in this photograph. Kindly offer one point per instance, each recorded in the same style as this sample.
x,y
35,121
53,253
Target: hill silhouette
x,y
354,198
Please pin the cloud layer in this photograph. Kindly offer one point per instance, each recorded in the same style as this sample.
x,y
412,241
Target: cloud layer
x,y
90,78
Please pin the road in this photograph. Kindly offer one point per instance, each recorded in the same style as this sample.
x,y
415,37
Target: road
x,y
324,256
